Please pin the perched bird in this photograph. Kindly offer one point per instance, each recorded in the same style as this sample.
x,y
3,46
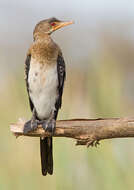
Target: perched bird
x,y
45,75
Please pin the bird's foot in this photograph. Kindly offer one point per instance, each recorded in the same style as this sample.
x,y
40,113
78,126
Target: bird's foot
x,y
49,125
31,125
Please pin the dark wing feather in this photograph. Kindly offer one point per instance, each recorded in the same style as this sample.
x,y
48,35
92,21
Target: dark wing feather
x,y
61,70
27,67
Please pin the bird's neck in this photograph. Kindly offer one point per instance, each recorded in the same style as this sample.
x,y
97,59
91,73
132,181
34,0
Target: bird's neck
x,y
42,37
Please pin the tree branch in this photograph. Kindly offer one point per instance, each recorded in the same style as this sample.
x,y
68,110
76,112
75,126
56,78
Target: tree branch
x,y
86,131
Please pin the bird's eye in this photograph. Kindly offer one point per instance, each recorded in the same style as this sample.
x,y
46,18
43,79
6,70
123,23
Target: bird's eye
x,y
53,24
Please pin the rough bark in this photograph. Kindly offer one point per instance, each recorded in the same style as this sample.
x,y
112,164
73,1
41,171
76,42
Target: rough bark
x,y
86,131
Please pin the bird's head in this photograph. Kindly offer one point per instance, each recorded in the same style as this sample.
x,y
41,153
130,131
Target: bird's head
x,y
49,25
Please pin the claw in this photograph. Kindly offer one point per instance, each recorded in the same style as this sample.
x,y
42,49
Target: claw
x,y
49,125
34,125
30,126
27,127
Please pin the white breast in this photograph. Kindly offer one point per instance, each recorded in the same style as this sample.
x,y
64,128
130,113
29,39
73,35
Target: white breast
x,y
43,84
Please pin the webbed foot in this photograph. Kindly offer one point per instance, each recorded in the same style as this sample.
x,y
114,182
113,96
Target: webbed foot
x,y
29,126
49,125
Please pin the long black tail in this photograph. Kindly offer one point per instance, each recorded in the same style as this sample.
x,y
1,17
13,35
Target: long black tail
x,y
46,152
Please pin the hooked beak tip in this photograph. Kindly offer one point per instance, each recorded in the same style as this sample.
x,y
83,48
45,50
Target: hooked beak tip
x,y
63,24
67,23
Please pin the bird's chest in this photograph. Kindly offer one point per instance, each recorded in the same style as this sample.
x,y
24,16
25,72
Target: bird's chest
x,y
43,82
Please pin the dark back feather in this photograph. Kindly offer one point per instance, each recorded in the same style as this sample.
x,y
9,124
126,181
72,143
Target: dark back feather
x,y
61,70
27,67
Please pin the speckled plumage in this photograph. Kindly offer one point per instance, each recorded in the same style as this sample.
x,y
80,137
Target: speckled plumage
x,y
44,49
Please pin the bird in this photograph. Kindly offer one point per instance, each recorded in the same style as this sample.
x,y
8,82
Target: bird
x,y
45,75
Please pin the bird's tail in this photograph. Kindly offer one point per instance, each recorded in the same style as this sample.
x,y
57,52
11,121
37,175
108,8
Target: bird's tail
x,y
46,155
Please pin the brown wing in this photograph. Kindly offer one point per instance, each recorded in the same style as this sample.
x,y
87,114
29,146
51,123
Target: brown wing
x,y
61,70
27,67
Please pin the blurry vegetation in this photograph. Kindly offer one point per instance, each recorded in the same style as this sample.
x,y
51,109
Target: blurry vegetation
x,y
103,89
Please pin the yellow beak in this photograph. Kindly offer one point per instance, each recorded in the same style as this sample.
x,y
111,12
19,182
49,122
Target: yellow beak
x,y
62,24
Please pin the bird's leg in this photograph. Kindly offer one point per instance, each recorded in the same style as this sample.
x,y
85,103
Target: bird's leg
x,y
49,124
32,124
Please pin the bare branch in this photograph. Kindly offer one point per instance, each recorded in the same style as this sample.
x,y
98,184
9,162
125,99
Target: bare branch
x,y
86,131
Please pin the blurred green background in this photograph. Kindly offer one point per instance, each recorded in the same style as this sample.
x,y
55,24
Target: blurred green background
x,y
99,57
